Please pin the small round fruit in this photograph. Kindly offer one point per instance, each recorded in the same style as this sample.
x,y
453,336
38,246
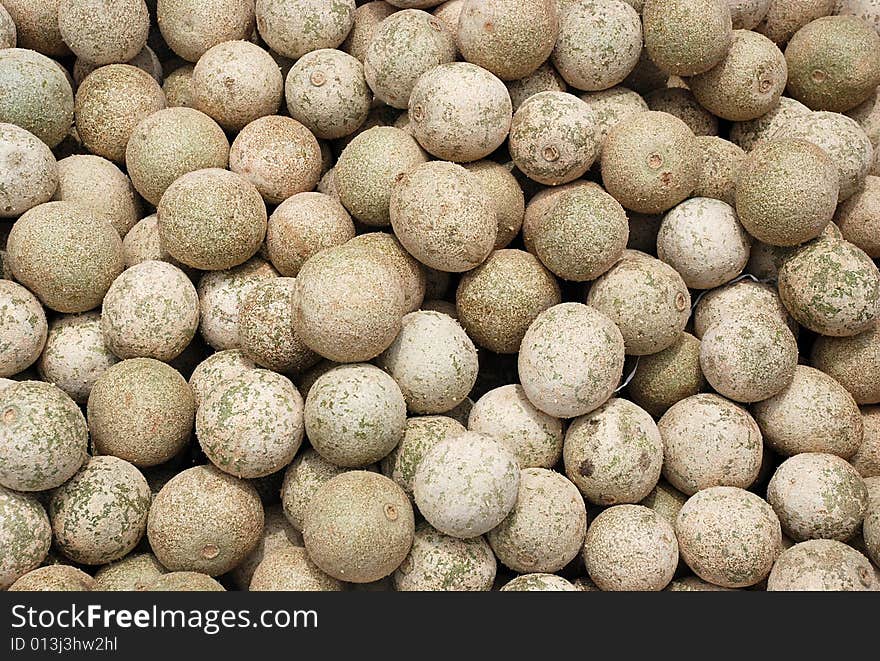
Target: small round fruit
x,y
866,460
367,19
55,578
668,376
538,583
30,172
853,362
687,37
421,433
25,535
506,195
543,79
859,217
216,369
302,480
23,328
191,27
438,562
722,163
133,573
741,297
294,29
750,134
104,33
290,569
822,565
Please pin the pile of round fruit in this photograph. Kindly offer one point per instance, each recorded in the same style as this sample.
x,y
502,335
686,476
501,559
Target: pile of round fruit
x,y
421,295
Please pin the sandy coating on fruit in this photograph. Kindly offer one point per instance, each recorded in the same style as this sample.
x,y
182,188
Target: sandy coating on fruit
x,y
543,79
744,296
866,459
290,569
110,103
8,35
748,81
191,27
871,534
553,138
302,480
571,360
140,410
687,37
831,287
665,500
75,354
818,496
55,578
852,361
23,328
545,529
822,565
216,369
750,134
355,415
184,581
177,87
220,296
506,195
65,255
145,60
36,23
785,17
668,376
443,216
728,536
614,454
141,244
100,514
169,144
251,425
35,95
842,139
367,19
460,112
859,217
133,573
359,527
695,584
438,562
650,162
707,442
151,310
43,437
433,361
25,535
834,63
538,583
813,413
647,299
369,168
610,107
421,434
681,103
102,32
278,536
344,312
294,29
497,301
704,241
404,46
98,185
746,14
412,273
630,547
466,485
204,520
30,172
722,163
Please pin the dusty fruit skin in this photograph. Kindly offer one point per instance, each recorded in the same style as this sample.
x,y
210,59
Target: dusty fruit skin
x,y
65,255
7,29
404,46
818,496
545,529
177,87
278,535
348,304
100,514
212,219
722,163
145,60
460,112
216,369
204,520
421,433
104,33
368,169
668,376
184,581
438,562
129,574
169,144
265,328
580,233
751,133
707,442
553,138
647,299
367,18
30,171
25,535
302,480
507,198
22,326
538,583
728,536
614,454
681,103
749,357
610,107
813,413
359,527
746,14
650,162
35,95
290,569
571,360
191,27
294,29
54,578
543,79
36,26
665,500
831,287
497,301
853,362
834,63
630,547
704,241
110,103
355,415
412,273
785,17
599,43
738,298
443,217
278,155
43,437
467,485
140,410
151,310
858,217
687,37
822,565
866,460
433,361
